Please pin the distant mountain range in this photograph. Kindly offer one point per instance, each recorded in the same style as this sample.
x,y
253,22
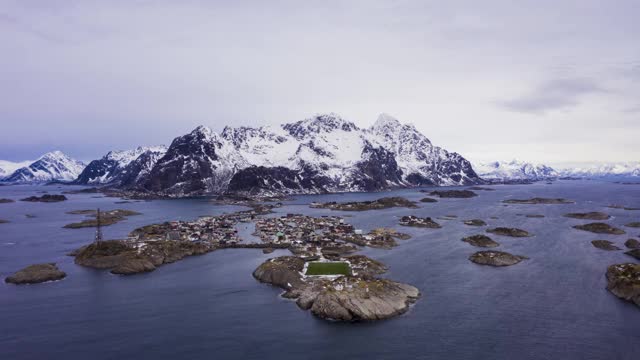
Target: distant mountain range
x,y
324,153
520,170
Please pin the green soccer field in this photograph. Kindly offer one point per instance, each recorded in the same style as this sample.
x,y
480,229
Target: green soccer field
x,y
328,268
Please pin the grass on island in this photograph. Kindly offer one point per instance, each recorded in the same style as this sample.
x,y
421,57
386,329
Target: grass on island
x,y
328,268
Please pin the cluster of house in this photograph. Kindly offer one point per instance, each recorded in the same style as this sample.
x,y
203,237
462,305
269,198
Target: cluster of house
x,y
411,220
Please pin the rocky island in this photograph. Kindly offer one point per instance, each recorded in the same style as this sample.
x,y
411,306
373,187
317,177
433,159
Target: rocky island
x,y
604,245
480,241
37,273
496,258
538,200
428,200
600,228
459,194
46,198
594,215
109,217
6,201
623,280
513,232
382,203
634,253
356,297
632,244
419,222
475,222
2,221
635,224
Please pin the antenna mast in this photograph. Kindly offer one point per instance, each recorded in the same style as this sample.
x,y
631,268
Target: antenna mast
x,y
98,227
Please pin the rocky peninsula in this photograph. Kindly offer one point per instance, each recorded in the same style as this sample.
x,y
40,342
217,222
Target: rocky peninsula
x,y
496,258
623,280
37,273
357,297
600,228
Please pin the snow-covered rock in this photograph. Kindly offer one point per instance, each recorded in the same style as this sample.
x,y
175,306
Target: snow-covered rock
x,y
121,167
514,170
54,165
324,153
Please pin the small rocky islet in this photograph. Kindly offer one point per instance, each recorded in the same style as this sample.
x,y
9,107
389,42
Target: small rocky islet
x,y
35,274
411,220
634,253
538,200
593,215
507,231
635,224
2,221
456,194
496,258
379,204
107,218
46,198
632,244
604,245
599,228
475,222
428,200
481,241
6,201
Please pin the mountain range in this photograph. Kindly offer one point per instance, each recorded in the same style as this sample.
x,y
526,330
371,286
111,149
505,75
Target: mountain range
x,y
324,153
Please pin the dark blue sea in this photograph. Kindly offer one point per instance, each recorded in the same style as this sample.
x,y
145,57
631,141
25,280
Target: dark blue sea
x,y
552,306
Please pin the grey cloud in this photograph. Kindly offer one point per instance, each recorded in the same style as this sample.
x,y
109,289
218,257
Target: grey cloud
x,y
553,95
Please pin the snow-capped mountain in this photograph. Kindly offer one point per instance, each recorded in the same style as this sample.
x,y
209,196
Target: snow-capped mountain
x,y
54,165
324,153
8,167
514,170
121,167
600,170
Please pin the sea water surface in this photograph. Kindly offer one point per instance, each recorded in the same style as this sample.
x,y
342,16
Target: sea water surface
x,y
552,306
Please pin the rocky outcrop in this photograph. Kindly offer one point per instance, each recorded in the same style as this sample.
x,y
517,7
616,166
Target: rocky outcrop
x,y
6,201
379,204
428,200
109,217
623,280
513,232
600,228
45,198
604,245
594,215
635,224
496,258
480,241
35,274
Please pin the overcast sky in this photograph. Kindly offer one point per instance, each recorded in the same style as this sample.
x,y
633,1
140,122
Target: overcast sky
x,y
546,81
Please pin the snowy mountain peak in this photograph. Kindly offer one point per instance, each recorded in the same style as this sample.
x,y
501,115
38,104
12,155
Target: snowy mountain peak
x,y
386,121
54,165
319,124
